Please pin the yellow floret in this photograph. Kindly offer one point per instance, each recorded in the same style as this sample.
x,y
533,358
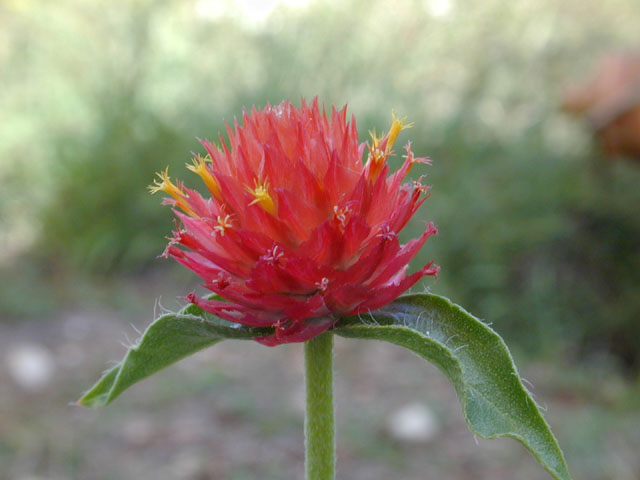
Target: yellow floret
x,y
165,184
262,197
397,125
200,167
375,139
377,155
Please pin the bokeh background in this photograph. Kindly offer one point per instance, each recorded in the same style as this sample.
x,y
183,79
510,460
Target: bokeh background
x,y
539,230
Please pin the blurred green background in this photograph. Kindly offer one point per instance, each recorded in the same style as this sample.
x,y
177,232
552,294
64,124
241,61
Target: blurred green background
x,y
539,234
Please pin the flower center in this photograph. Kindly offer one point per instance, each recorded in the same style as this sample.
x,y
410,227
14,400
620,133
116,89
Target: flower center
x,y
273,255
223,224
386,233
323,284
341,215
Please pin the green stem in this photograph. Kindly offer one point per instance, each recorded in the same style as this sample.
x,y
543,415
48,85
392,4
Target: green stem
x,y
319,424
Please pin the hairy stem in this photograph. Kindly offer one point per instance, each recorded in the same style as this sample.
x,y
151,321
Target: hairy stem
x,y
319,425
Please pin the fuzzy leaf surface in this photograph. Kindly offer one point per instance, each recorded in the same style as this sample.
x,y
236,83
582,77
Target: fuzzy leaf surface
x,y
475,359
171,337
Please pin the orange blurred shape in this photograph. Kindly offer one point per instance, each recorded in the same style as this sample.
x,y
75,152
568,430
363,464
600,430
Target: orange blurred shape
x,y
610,101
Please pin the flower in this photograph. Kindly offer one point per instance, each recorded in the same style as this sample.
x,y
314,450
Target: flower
x,y
297,230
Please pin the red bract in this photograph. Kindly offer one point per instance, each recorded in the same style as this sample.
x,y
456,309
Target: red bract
x,y
298,231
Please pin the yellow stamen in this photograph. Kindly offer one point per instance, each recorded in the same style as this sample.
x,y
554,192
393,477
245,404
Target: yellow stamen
x,y
397,125
375,139
378,156
166,185
200,168
375,162
262,197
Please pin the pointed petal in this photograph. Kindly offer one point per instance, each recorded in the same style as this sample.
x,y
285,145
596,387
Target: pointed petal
x,y
299,332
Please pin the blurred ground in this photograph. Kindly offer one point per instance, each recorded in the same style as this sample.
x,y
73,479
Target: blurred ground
x,y
234,411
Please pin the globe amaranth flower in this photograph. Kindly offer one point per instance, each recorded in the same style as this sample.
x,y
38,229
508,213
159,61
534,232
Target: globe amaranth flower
x,y
297,230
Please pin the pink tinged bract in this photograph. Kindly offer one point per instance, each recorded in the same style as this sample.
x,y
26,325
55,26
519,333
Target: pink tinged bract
x,y
301,225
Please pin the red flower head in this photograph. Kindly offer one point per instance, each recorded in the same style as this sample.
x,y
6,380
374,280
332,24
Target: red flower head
x,y
297,231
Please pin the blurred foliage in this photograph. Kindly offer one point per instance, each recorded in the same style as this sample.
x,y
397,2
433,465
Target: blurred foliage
x,y
537,233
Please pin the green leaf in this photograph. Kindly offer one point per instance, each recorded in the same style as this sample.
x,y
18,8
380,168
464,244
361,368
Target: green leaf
x,y
472,356
494,400
169,338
